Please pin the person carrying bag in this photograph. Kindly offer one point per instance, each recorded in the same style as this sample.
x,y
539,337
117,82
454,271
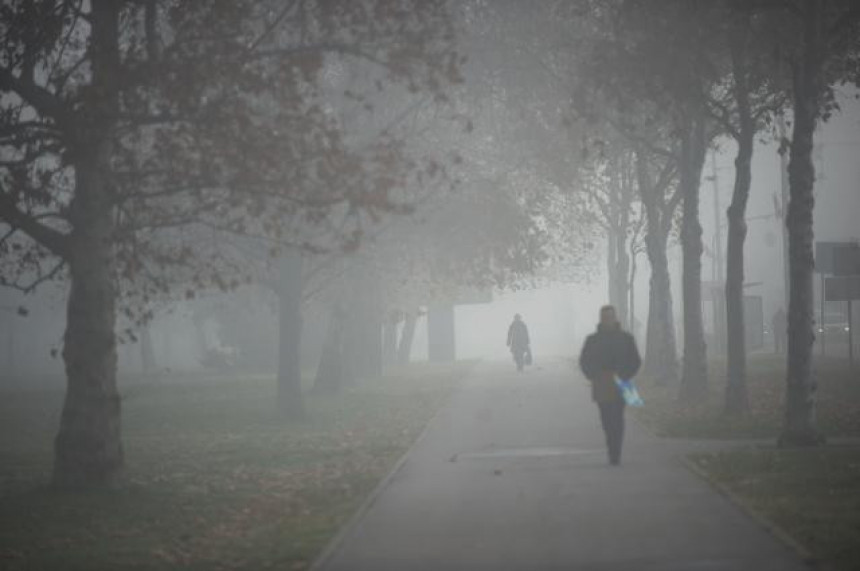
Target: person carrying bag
x,y
608,356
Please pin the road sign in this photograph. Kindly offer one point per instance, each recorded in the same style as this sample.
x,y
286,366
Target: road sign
x,y
824,255
846,260
842,288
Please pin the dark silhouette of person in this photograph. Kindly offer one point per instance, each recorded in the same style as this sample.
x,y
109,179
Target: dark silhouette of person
x,y
780,331
607,355
518,341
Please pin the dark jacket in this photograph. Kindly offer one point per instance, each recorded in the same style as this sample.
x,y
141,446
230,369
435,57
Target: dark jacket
x,y
518,337
608,354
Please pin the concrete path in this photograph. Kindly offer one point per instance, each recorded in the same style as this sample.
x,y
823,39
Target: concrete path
x,y
512,475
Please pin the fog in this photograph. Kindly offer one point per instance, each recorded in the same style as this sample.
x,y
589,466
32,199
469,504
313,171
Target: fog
x,y
425,284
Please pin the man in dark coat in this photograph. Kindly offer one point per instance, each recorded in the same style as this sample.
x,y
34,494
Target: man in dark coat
x,y
518,341
607,355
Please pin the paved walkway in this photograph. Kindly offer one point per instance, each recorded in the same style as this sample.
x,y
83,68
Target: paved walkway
x,y
512,475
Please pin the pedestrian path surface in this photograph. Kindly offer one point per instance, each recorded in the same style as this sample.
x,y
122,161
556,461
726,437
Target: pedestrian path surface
x,y
512,475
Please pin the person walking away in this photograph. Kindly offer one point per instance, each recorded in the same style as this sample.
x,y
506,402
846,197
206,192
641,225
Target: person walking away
x,y
518,341
609,354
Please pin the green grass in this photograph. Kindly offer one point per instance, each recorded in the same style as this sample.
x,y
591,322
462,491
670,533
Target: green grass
x,y
838,408
214,480
811,494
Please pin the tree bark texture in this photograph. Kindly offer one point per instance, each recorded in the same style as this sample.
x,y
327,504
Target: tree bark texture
x,y
737,401
660,348
290,285
694,376
800,428
88,448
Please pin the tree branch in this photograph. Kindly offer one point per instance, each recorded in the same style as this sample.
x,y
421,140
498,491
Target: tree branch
x,y
42,100
52,239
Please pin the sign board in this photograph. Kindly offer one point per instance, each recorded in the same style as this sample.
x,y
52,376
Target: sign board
x,y
824,255
842,288
846,260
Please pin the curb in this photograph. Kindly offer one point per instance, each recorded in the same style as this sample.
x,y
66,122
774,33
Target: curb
x,y
780,534
334,544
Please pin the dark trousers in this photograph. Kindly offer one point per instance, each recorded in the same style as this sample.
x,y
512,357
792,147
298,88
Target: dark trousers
x,y
612,419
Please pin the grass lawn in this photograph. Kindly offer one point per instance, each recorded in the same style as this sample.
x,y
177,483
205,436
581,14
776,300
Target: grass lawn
x,y
214,479
812,494
838,403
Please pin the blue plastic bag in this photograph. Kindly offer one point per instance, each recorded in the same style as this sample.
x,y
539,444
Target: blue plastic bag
x,y
629,392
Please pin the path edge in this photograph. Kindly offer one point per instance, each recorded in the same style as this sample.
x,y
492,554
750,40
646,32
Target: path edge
x,y
769,526
332,546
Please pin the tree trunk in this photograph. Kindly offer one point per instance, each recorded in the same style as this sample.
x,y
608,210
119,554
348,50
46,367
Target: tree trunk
x,y
407,336
736,352
800,427
329,378
660,349
88,448
694,376
290,287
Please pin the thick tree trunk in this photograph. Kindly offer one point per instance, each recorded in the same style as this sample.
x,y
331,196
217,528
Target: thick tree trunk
x,y
800,427
88,449
694,376
736,352
407,336
736,371
290,404
661,353
329,378
660,349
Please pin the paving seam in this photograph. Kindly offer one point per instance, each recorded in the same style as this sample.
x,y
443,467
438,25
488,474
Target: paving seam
x,y
772,528
335,543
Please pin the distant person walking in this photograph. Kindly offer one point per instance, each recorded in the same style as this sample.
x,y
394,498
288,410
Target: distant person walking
x,y
607,355
780,331
518,341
